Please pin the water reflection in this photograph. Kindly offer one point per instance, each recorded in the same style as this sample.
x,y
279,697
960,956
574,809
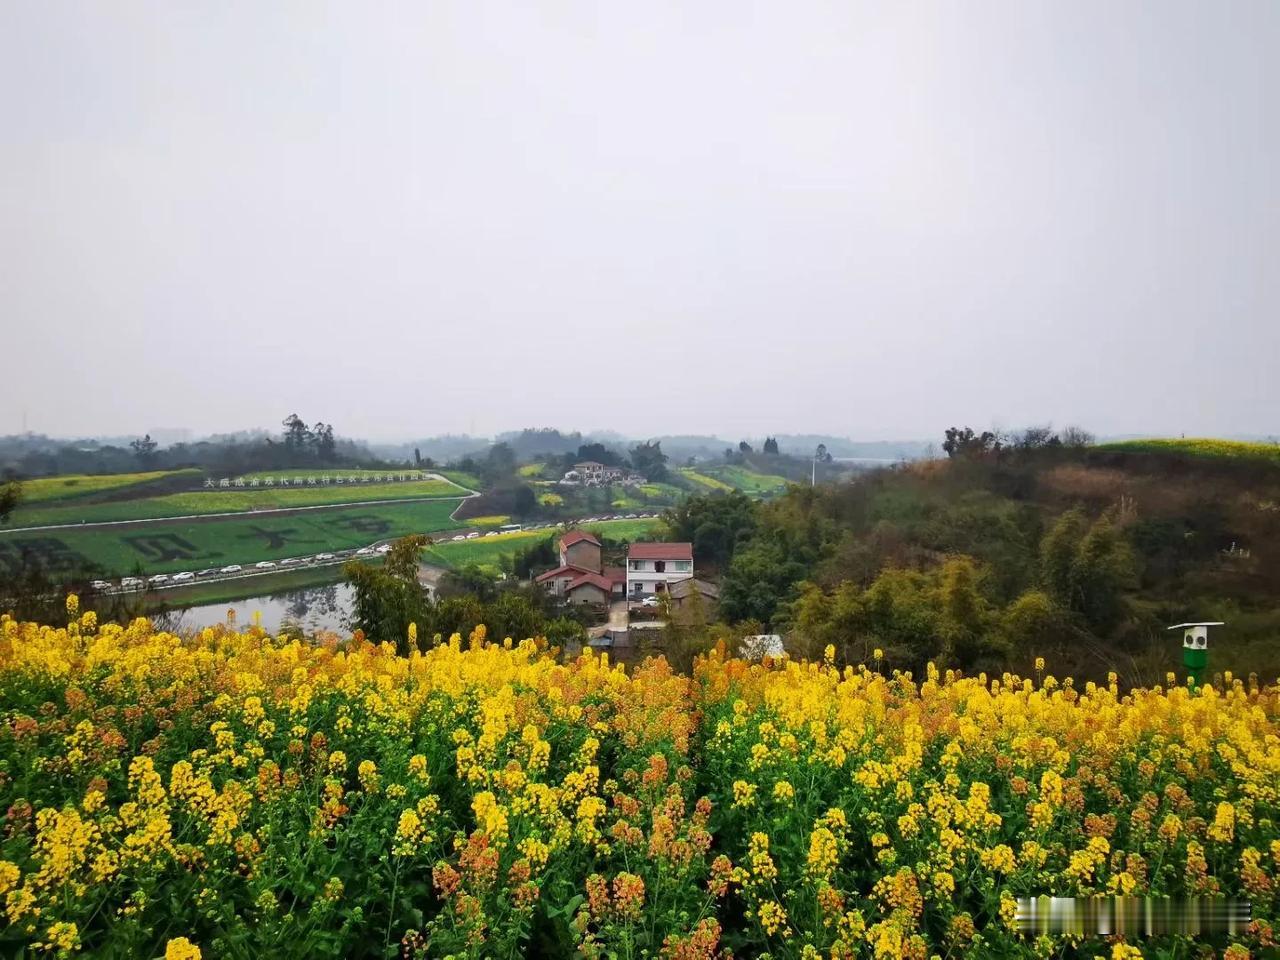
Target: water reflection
x,y
311,609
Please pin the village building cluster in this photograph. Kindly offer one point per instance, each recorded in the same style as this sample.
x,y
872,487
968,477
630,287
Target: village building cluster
x,y
651,569
589,473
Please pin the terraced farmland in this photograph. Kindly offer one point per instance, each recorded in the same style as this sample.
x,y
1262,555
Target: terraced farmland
x,y
203,502
169,546
750,482
45,490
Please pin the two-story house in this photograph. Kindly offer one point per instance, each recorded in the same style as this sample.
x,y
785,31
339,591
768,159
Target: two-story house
x,y
581,577
652,567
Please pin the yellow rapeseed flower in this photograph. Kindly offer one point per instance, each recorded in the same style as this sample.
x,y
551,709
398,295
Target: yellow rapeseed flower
x,y
180,948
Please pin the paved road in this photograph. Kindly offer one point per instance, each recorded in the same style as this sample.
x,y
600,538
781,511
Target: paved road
x,y
617,621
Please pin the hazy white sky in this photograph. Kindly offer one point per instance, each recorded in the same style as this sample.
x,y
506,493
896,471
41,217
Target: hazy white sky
x,y
865,219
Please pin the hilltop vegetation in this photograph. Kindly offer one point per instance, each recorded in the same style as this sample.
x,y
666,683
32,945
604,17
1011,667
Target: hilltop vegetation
x,y
1003,553
297,445
1201,447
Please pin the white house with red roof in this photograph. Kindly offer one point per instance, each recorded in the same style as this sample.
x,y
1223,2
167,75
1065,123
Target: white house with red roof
x,y
581,578
652,567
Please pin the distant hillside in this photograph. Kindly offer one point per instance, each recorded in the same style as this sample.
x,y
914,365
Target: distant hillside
x,y
441,449
1080,555
803,445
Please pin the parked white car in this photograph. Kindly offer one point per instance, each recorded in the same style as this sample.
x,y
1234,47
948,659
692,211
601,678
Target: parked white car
x,y
650,601
290,561
364,551
130,583
233,568
265,565
384,549
100,585
183,577
324,556
158,579
460,537
473,534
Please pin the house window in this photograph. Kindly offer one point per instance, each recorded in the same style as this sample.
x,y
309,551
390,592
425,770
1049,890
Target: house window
x,y
683,564
659,566
637,564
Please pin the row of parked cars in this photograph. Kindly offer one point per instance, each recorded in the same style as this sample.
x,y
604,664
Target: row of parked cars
x,y
163,579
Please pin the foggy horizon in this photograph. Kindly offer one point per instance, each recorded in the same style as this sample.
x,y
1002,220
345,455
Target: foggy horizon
x,y
866,221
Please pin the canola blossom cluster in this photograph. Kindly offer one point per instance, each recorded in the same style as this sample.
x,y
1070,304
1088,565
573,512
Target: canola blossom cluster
x,y
236,794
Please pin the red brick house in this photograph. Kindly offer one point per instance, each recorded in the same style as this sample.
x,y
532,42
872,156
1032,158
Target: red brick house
x,y
581,578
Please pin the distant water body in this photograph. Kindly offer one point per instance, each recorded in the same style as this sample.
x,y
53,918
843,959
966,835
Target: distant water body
x,y
312,608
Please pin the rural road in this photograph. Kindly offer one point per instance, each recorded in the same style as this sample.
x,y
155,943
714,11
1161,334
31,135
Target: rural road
x,y
617,621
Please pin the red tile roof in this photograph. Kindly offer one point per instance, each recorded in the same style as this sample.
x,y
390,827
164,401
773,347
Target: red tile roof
x,y
573,536
567,569
660,551
595,579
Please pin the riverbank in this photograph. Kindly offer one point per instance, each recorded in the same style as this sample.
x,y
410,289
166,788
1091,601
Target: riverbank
x,y
246,588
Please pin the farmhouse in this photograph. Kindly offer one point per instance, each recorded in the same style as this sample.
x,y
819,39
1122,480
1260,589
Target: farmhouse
x,y
590,473
680,594
653,567
581,578
580,549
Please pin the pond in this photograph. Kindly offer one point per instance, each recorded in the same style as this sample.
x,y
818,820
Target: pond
x,y
312,608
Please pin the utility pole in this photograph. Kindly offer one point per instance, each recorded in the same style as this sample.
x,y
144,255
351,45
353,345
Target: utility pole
x,y
819,454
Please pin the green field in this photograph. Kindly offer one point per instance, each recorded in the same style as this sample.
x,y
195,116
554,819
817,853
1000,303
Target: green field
x,y
705,483
166,547
70,486
1201,447
661,492
489,522
468,480
626,530
488,551
750,482
723,477
203,501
